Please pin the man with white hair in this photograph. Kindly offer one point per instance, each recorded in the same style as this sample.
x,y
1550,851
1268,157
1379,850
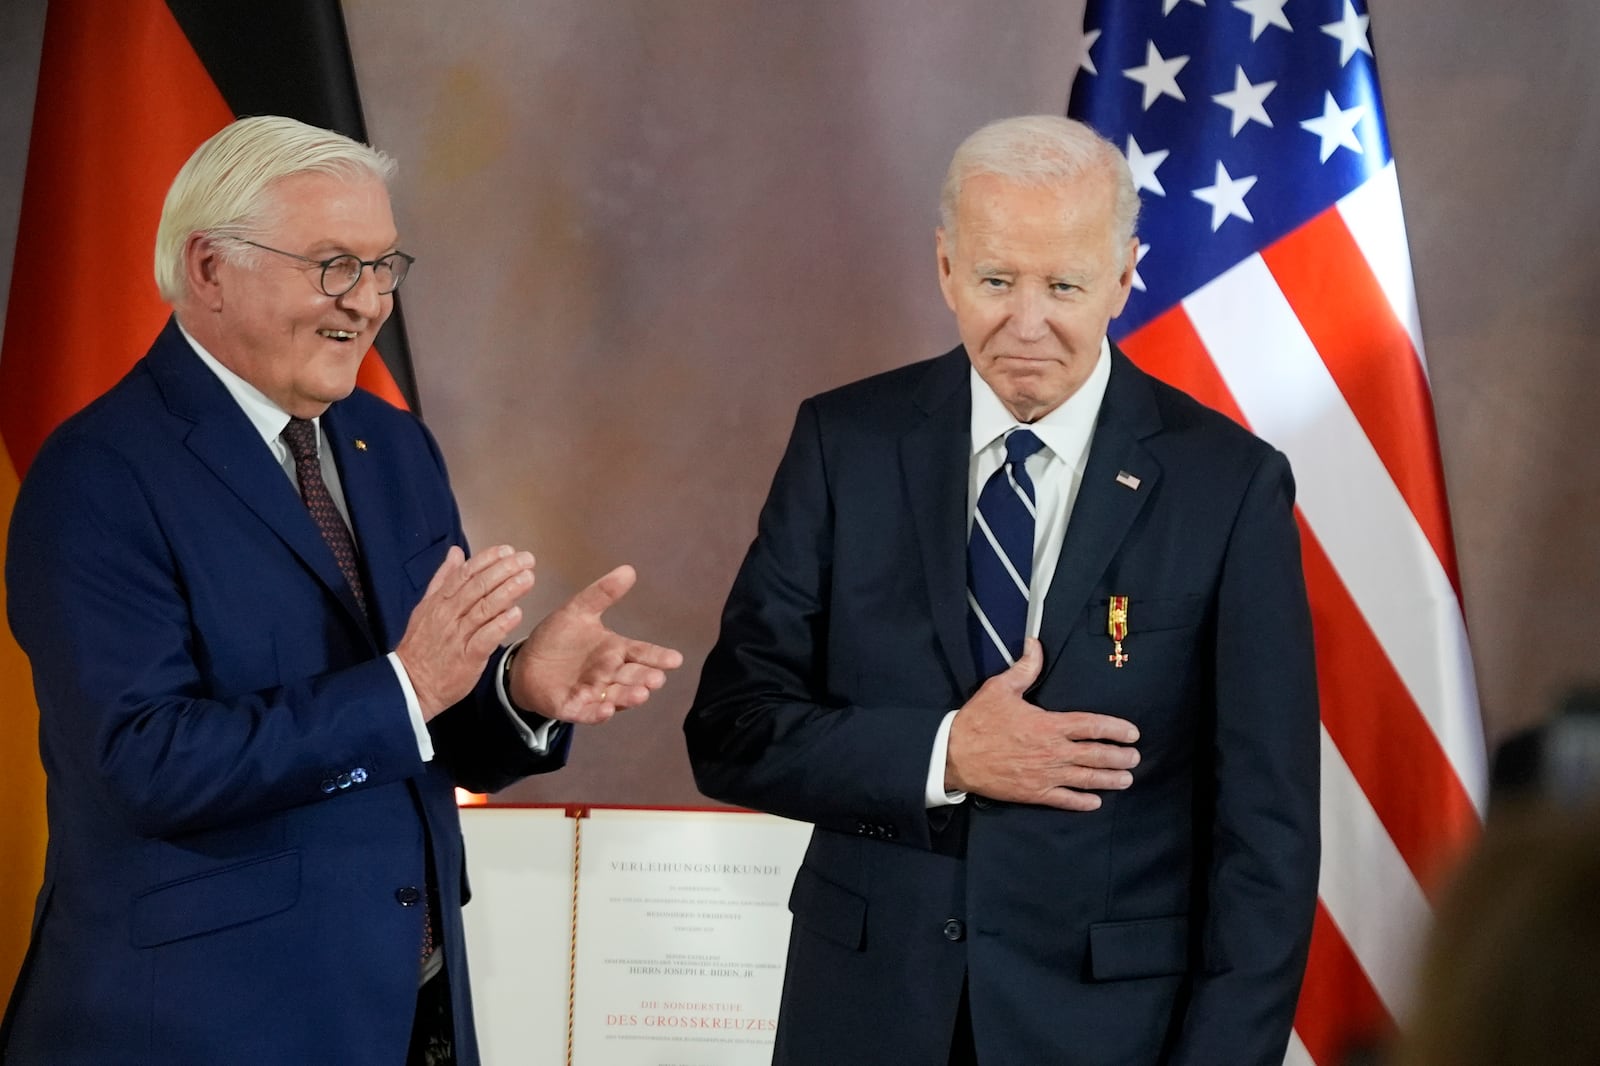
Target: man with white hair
x,y
264,659
1024,634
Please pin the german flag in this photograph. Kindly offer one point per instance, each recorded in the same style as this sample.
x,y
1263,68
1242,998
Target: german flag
x,y
127,91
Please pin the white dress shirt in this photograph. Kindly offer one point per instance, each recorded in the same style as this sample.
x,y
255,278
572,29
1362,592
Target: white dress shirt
x,y
1056,471
269,421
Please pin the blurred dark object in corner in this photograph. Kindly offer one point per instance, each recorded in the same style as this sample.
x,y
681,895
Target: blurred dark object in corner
x,y
1368,1055
1556,761
1511,974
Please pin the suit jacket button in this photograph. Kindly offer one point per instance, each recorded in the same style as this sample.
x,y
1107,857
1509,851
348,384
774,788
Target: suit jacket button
x,y
407,896
863,829
329,785
954,930
890,832
359,775
344,780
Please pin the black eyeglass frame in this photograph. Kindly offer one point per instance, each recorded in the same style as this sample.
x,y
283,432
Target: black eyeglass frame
x,y
327,264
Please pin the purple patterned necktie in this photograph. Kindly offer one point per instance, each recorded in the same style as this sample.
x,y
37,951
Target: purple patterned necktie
x,y
301,437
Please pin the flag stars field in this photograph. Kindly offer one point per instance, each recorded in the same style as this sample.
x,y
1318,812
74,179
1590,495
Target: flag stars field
x,y
1138,257
1264,13
1197,89
1246,102
1144,166
1158,75
1085,43
1226,197
1351,33
1336,127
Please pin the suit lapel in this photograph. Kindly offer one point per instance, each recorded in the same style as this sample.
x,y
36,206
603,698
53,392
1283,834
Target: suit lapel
x,y
1105,507
934,460
227,443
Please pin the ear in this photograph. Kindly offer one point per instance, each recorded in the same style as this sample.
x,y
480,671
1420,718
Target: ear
x,y
202,270
944,247
1130,262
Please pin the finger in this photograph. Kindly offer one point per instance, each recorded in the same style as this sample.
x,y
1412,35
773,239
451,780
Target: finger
x,y
469,566
445,573
1085,725
487,637
586,711
639,674
643,680
1087,778
487,557
1099,756
1021,674
625,696
653,655
1067,799
486,608
605,591
591,694
509,577
483,576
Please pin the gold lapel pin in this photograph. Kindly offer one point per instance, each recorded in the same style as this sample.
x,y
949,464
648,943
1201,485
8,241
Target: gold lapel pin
x,y
361,445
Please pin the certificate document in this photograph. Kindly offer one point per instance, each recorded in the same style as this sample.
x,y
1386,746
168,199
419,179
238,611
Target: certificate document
x,y
682,926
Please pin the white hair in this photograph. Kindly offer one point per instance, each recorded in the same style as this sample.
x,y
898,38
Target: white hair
x,y
1040,150
222,189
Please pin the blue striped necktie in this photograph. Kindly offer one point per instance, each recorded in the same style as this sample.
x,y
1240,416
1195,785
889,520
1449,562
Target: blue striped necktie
x,y
1000,559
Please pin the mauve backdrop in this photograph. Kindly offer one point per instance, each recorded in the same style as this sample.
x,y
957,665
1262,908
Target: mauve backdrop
x,y
647,230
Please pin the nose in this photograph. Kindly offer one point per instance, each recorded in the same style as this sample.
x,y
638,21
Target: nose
x,y
1029,314
364,298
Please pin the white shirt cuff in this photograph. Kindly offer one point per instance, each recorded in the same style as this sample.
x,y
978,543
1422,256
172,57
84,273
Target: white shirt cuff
x,y
935,794
419,725
535,738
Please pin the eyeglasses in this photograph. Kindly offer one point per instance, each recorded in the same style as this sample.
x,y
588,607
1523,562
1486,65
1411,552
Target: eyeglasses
x,y
341,273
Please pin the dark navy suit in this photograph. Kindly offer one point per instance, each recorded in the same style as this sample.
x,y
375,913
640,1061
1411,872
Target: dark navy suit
x,y
237,808
1171,925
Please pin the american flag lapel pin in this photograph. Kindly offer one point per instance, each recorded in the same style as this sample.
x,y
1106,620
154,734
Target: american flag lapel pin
x,y
1128,480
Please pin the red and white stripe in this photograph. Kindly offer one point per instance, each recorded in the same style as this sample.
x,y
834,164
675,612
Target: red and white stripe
x,y
1314,344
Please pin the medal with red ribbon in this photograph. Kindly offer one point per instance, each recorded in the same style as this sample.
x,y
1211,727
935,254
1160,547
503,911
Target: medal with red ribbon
x,y
1117,626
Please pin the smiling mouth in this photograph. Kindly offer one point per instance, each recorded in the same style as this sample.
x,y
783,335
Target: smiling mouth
x,y
340,335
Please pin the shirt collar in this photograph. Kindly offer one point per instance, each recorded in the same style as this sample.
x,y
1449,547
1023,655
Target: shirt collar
x,y
267,417
1065,431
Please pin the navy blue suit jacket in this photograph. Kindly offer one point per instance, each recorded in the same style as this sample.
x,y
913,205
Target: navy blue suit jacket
x,y
238,813
1171,925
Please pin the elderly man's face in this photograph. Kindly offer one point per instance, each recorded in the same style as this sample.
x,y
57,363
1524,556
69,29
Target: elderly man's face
x,y
1034,274
278,329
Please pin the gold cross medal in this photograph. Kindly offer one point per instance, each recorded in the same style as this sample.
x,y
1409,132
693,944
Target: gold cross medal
x,y
1117,626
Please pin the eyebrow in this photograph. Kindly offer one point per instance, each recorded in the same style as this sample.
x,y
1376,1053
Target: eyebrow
x,y
1076,276
329,249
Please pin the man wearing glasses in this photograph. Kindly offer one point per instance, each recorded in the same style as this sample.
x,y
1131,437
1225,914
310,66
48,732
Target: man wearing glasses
x,y
264,660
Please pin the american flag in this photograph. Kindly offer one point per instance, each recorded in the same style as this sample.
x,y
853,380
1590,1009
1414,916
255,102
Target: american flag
x,y
1274,283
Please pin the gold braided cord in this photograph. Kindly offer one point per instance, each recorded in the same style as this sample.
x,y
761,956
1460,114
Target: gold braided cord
x,y
577,814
